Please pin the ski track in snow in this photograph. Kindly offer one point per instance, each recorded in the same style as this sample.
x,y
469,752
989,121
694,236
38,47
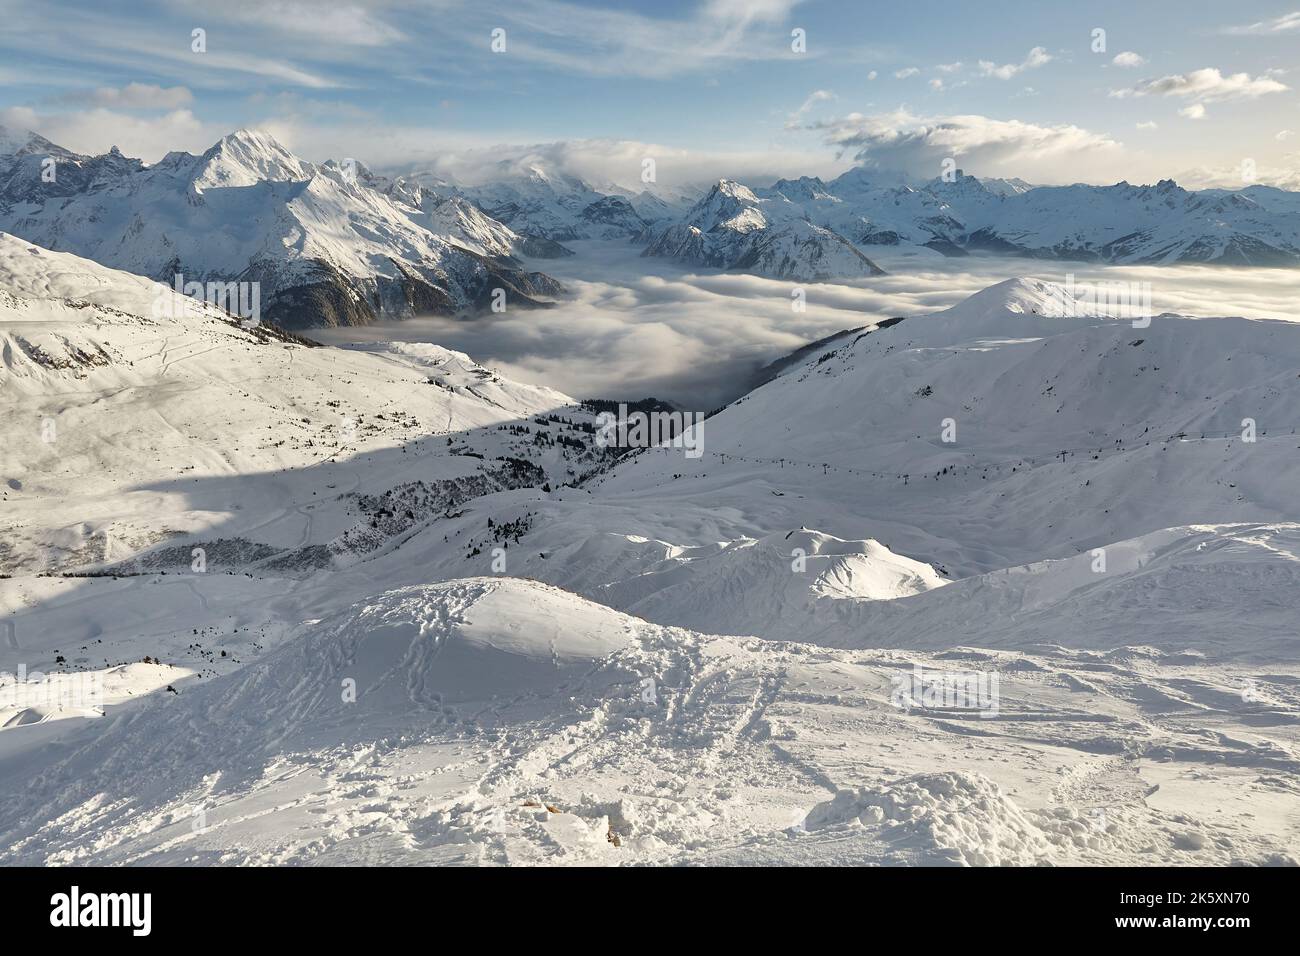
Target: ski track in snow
x,y
353,712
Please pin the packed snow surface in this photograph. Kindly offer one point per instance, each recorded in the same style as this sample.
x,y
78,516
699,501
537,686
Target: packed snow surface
x,y
271,603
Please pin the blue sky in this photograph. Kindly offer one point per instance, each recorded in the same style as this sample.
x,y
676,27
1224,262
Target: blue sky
x,y
1191,89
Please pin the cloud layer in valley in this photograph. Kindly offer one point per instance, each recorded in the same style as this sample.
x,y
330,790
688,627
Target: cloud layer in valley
x,y
637,327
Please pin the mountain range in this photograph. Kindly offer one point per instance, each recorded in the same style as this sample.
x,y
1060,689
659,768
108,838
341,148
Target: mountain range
x,y
337,244
327,248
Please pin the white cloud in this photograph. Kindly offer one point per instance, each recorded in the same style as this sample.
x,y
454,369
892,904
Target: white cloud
x,y
134,96
936,84
1205,86
949,67
1283,24
1230,176
337,23
97,41
872,75
1149,124
1195,111
1128,59
815,97
619,162
918,145
906,72
1036,57
94,131
433,42
609,42
636,327
1283,135
602,162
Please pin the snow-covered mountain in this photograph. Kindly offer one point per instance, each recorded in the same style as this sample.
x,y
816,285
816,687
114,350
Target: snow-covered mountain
x,y
469,635
1127,224
991,435
327,248
32,169
457,217
538,201
255,445
1163,223
732,228
337,244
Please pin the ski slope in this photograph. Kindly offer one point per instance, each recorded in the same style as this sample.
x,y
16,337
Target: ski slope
x,y
436,624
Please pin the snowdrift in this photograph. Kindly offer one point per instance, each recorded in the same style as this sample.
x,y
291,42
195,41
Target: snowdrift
x,y
407,662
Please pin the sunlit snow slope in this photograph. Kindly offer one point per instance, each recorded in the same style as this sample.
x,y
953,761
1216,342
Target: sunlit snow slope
x,y
727,659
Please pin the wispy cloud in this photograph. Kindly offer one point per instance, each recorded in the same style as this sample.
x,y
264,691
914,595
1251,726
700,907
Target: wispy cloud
x,y
918,145
78,37
1204,86
1287,23
603,42
1129,59
603,162
132,96
92,131
1036,57
365,24
813,98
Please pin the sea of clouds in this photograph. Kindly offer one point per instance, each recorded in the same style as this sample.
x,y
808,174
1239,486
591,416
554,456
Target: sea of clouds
x,y
635,327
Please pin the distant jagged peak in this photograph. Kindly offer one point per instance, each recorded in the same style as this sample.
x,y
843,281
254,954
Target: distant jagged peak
x,y
803,189
13,140
251,139
23,142
734,190
534,175
728,203
247,157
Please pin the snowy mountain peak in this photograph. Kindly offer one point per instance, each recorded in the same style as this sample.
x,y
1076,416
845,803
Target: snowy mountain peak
x,y
12,140
728,204
734,190
16,142
803,189
1018,294
327,247
1006,187
863,179
732,228
1013,310
531,177
247,157
1021,296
